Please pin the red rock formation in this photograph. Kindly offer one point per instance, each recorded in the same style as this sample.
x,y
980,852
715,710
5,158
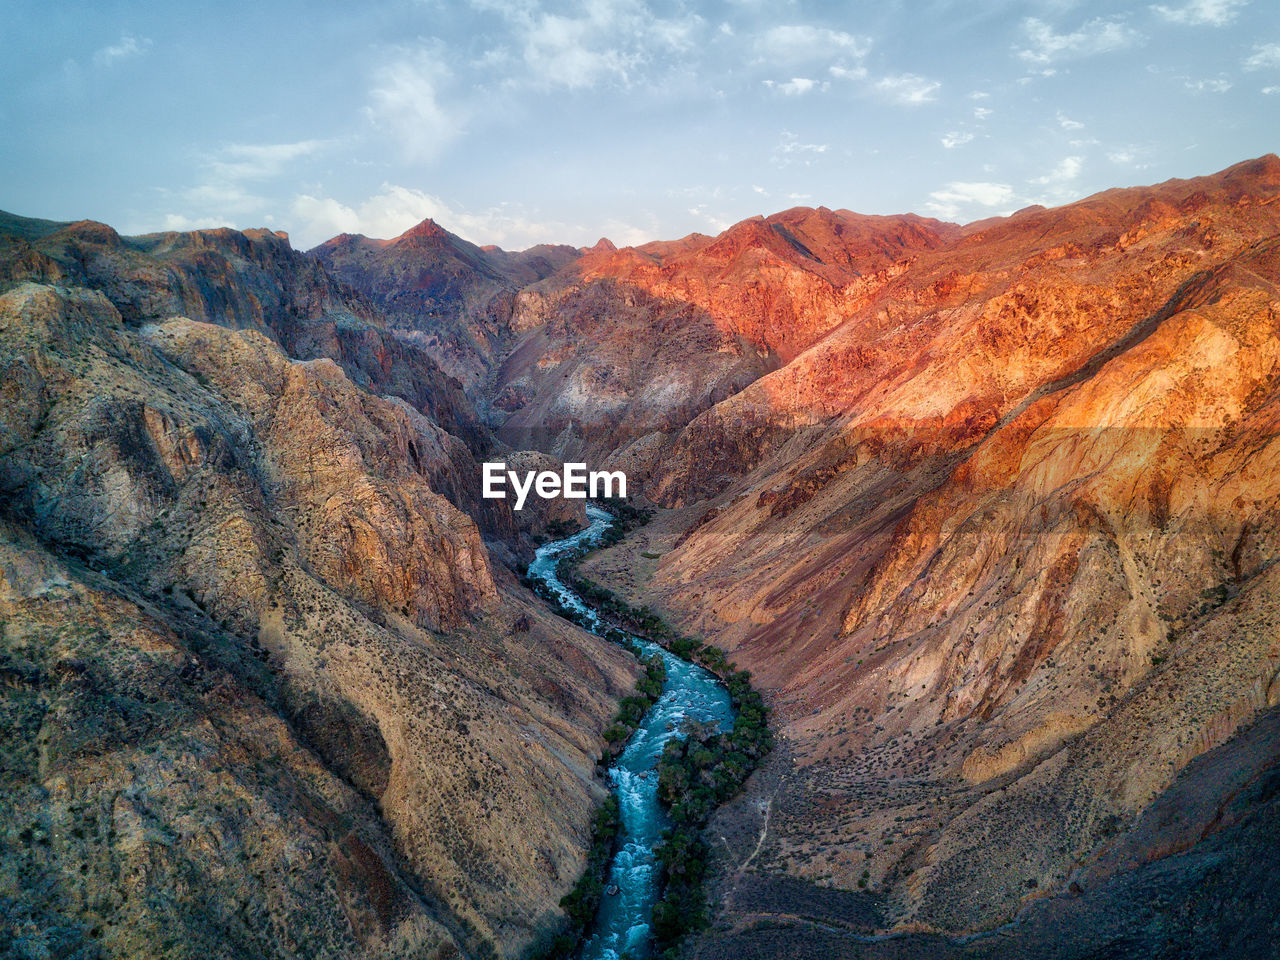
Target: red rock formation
x,y
1000,540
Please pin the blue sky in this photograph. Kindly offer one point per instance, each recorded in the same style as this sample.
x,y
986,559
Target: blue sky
x,y
520,121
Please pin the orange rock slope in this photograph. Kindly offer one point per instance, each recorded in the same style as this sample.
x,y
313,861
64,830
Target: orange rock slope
x,y
999,539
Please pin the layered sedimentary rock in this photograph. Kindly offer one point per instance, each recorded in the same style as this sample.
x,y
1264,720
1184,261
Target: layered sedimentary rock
x,y
268,691
1001,544
449,295
620,350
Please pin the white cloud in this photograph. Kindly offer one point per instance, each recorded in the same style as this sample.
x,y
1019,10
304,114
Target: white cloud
x,y
959,196
1067,169
128,47
260,161
1130,156
981,113
956,139
1066,123
225,194
596,42
405,104
395,209
1218,84
1269,91
908,88
795,86
848,73
215,203
790,150
1059,185
802,43
1045,45
561,52
1214,13
1264,55
178,222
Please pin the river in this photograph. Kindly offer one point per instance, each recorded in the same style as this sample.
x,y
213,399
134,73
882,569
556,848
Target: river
x,y
689,693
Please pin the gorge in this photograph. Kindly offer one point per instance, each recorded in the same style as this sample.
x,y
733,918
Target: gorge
x,y
988,511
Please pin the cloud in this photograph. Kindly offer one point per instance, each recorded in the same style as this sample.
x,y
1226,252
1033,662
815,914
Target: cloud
x,y
957,196
907,88
226,192
801,43
178,222
1218,84
848,73
956,139
405,104
795,86
260,161
1264,55
1130,156
1066,123
790,150
215,203
128,48
395,209
597,42
1059,184
1046,45
563,51
981,113
1067,169
1270,91
1213,13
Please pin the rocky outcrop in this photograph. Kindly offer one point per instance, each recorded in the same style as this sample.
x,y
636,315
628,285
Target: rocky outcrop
x,y
999,543
628,346
251,280
345,718
155,804
449,295
545,519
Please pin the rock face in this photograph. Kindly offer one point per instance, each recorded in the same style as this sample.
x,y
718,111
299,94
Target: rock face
x,y
545,519
1000,541
453,297
617,352
265,690
989,511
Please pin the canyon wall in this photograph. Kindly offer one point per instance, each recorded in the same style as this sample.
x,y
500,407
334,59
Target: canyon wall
x,y
267,688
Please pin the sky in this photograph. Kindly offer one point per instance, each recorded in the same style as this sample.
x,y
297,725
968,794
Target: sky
x,y
521,121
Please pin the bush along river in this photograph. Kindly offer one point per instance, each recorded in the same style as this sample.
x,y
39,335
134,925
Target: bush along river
x,y
684,743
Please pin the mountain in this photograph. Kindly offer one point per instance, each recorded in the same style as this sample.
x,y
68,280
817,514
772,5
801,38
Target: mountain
x,y
989,512
454,296
997,536
618,351
266,690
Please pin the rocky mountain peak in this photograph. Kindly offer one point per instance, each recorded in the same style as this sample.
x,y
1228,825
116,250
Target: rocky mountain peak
x,y
428,231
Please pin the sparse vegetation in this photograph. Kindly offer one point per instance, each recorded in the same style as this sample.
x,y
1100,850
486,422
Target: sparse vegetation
x,y
581,903
696,774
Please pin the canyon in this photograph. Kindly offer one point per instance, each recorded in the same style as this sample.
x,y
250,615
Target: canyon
x,y
988,511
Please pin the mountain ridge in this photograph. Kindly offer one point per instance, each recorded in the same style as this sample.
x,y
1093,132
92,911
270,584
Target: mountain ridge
x,y
988,510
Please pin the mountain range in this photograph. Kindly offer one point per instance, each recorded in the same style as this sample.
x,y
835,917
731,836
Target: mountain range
x,y
989,512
